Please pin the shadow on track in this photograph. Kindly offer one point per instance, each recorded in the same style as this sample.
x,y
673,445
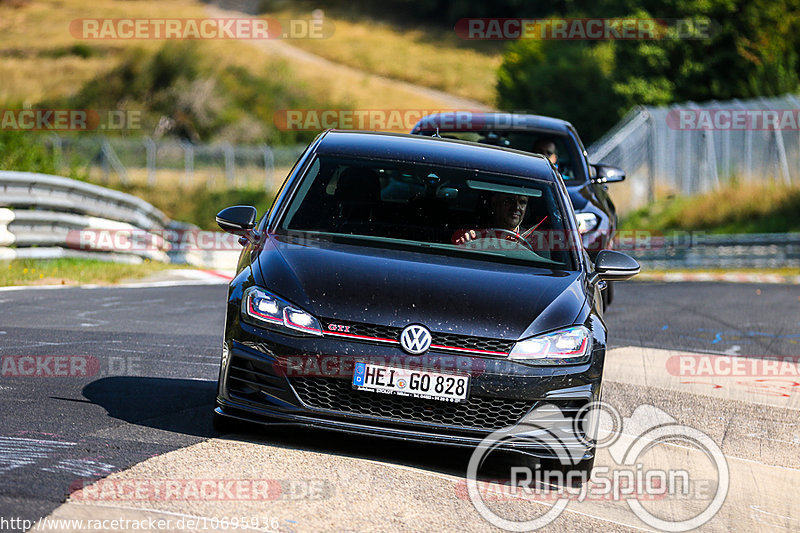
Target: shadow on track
x,y
176,405
185,406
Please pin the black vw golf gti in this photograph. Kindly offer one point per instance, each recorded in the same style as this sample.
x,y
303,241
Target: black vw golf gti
x,y
414,288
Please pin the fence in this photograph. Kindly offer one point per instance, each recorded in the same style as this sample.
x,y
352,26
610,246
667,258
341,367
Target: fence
x,y
146,161
693,148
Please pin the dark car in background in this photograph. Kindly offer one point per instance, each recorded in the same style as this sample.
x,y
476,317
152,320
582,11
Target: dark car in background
x,y
586,183
357,309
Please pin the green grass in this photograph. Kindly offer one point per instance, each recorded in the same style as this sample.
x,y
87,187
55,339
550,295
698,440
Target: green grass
x,y
783,271
198,205
427,56
73,271
239,84
766,208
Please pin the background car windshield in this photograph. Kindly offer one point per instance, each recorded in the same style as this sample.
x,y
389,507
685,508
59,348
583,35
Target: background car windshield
x,y
526,141
432,209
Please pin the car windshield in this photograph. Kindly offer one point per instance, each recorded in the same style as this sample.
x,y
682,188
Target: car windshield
x,y
553,146
432,209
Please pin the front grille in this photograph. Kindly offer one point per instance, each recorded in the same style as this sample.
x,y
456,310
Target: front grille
x,y
474,413
472,343
451,340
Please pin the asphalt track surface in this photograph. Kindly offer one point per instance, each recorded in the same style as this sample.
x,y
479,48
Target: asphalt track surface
x,y
153,353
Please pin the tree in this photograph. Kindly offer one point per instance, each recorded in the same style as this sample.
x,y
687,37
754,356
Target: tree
x,y
569,80
752,49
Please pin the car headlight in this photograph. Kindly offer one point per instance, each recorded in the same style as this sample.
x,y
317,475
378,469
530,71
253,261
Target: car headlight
x,y
587,222
262,308
566,346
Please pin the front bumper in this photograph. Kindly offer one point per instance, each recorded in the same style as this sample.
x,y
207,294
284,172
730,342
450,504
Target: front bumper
x,y
272,378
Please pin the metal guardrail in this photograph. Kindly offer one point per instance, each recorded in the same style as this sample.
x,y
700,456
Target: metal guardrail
x,y
47,217
684,250
41,191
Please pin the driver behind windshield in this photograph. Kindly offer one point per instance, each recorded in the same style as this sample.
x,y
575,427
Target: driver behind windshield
x,y
506,212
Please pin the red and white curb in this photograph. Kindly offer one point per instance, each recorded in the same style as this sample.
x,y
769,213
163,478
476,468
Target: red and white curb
x,y
171,278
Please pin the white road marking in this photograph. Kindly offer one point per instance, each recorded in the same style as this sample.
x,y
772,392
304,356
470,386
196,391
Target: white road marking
x,y
16,452
81,467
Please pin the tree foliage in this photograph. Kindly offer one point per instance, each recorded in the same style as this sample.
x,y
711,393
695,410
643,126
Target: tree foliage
x,y
751,50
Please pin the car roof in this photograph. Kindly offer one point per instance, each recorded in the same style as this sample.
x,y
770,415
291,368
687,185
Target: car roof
x,y
435,151
481,121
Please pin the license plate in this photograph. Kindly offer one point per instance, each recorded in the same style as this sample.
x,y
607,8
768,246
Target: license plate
x,y
410,382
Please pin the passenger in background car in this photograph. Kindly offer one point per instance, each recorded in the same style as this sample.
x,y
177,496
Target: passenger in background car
x,y
547,148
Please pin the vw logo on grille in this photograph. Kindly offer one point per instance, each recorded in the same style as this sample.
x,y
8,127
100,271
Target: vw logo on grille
x,y
415,339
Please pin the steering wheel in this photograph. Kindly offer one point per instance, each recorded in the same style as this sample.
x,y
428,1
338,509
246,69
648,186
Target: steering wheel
x,y
499,234
516,237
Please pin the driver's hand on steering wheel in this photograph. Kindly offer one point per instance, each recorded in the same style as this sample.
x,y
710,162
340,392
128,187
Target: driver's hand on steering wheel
x,y
464,236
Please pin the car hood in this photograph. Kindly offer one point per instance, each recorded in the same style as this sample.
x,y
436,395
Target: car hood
x,y
392,287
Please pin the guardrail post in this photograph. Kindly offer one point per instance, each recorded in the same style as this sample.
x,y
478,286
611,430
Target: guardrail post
x,y
188,163
105,166
150,147
748,152
111,157
269,166
651,166
58,150
711,159
230,163
782,162
686,181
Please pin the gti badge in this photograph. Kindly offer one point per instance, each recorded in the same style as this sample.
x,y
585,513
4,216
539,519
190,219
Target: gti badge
x,y
415,339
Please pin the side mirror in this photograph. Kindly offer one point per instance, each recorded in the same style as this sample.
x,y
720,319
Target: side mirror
x,y
238,219
613,266
608,174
